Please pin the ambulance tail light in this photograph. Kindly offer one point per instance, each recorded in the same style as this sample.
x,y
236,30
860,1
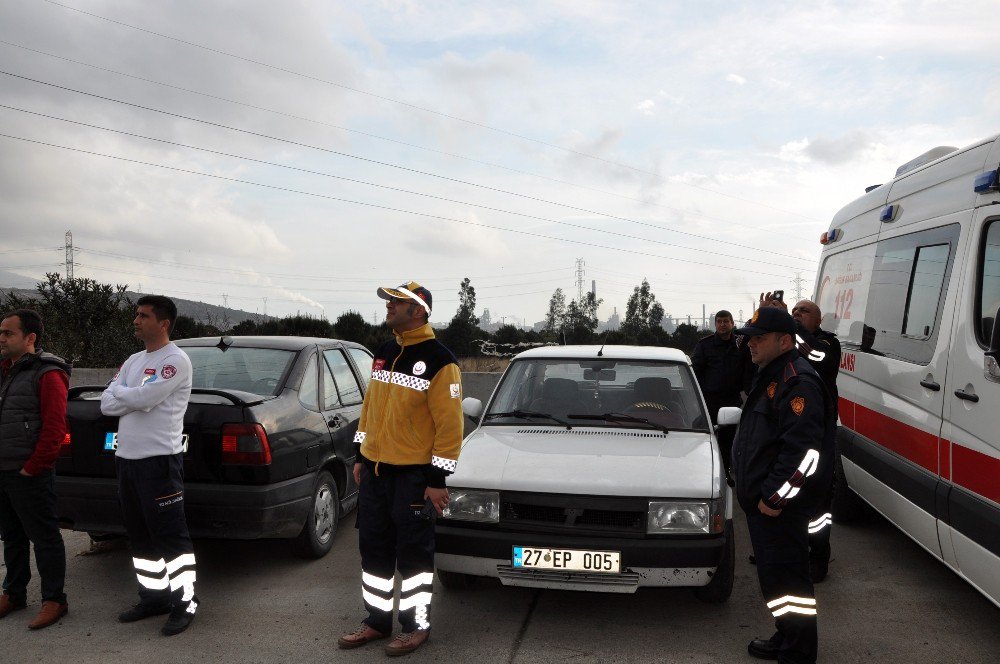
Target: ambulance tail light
x,y
245,445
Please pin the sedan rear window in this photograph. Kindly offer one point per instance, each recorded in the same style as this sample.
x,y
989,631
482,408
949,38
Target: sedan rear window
x,y
544,392
255,370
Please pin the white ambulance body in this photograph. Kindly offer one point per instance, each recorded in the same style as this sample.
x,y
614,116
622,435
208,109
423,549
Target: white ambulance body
x,y
910,282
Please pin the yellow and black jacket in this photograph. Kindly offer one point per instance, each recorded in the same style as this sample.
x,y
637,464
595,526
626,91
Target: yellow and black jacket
x,y
412,415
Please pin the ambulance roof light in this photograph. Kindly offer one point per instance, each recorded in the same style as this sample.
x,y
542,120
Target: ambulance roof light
x,y
988,181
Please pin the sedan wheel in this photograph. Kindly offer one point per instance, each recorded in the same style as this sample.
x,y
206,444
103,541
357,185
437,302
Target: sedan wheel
x,y
316,538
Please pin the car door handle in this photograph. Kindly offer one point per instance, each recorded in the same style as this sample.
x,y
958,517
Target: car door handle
x,y
962,394
336,421
931,385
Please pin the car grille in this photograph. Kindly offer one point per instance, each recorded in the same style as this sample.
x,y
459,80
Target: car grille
x,y
563,512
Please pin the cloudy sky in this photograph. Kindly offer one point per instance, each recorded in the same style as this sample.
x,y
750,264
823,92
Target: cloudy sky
x,y
293,156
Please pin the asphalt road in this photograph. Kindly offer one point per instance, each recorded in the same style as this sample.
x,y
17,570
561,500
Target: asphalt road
x,y
886,600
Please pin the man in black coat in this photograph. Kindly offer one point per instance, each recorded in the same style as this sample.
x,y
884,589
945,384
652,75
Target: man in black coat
x,y
783,465
719,364
822,350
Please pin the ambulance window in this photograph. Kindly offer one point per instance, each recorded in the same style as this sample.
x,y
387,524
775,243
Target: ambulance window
x,y
988,299
925,290
909,284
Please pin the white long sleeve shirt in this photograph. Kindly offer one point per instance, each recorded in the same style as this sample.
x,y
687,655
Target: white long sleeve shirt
x,y
150,395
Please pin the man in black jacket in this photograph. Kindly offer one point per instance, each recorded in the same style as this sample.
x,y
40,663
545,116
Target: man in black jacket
x,y
782,463
719,364
822,350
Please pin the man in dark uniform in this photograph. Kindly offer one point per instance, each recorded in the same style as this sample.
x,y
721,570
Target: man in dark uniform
x,y
783,465
822,350
719,364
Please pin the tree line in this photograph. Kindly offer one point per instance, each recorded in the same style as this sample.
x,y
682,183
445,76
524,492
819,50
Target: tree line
x,y
90,324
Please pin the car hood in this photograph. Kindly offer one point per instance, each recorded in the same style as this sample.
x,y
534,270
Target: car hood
x,y
589,460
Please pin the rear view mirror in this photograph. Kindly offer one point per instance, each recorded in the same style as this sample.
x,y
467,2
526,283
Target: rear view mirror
x,y
599,374
729,416
472,408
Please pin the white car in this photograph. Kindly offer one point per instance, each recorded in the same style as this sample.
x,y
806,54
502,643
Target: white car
x,y
593,468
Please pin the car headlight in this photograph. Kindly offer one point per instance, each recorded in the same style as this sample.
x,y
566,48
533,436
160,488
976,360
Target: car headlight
x,y
471,505
680,517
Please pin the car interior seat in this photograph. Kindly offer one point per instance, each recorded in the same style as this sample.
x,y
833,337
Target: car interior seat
x,y
560,396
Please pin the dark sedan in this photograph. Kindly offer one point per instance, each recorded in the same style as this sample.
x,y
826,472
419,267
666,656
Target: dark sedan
x,y
268,442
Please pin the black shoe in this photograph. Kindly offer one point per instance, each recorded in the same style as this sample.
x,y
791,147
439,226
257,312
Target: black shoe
x,y
181,617
818,570
142,610
763,649
752,559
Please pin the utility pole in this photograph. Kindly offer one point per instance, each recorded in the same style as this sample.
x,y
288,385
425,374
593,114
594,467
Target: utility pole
x,y
265,307
225,300
798,281
579,279
69,255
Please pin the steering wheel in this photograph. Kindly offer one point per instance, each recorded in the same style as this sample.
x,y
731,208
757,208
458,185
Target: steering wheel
x,y
265,385
649,405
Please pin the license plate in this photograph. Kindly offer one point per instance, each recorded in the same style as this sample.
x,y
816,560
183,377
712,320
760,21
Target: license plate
x,y
569,560
111,442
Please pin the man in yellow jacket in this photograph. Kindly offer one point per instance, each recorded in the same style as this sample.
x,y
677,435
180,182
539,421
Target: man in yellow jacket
x,y
408,441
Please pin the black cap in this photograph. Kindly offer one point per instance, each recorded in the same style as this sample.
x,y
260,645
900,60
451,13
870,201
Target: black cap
x,y
768,319
411,290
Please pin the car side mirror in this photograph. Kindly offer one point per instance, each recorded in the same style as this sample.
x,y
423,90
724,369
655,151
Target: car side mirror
x,y
991,361
729,416
472,408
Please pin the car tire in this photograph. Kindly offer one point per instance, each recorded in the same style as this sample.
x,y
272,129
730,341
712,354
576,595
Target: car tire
x,y
846,506
316,538
720,587
456,580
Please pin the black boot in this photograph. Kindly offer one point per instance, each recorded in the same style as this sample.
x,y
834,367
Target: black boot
x,y
181,617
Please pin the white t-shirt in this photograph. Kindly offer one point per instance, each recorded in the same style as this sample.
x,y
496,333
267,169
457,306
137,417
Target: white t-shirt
x,y
150,395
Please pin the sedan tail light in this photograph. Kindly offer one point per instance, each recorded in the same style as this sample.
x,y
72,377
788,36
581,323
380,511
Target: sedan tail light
x,y
245,445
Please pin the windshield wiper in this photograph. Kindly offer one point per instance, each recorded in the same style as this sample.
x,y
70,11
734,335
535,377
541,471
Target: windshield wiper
x,y
528,414
622,417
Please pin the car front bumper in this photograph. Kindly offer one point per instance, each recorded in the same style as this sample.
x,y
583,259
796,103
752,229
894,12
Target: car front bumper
x,y
653,562
213,510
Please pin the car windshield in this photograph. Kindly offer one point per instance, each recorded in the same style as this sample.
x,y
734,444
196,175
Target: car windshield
x,y
603,393
255,370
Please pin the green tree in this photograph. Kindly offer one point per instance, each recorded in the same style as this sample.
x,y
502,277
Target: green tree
x,y
186,327
642,313
580,322
557,313
88,323
352,326
467,303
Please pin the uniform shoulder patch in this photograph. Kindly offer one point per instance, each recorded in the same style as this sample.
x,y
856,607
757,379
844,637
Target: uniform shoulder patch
x,y
771,389
798,405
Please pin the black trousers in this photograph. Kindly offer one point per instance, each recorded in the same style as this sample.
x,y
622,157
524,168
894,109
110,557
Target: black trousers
x,y
781,548
820,525
28,516
395,531
151,492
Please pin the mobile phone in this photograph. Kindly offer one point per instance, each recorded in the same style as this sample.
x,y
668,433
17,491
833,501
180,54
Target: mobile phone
x,y
427,512
778,295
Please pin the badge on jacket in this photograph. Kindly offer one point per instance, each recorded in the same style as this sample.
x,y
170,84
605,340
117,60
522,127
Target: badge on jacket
x,y
798,405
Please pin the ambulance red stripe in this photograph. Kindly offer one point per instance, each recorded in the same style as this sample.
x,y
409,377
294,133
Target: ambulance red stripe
x,y
965,467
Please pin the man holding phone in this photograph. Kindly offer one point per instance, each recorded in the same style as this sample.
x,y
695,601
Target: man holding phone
x,y
408,441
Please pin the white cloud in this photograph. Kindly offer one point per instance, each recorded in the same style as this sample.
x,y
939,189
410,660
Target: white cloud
x,y
736,78
647,106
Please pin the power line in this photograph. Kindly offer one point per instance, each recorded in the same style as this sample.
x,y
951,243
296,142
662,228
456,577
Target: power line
x,y
389,140
372,161
409,191
406,104
385,207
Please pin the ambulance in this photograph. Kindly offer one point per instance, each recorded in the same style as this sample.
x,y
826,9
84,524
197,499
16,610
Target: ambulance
x,y
910,282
